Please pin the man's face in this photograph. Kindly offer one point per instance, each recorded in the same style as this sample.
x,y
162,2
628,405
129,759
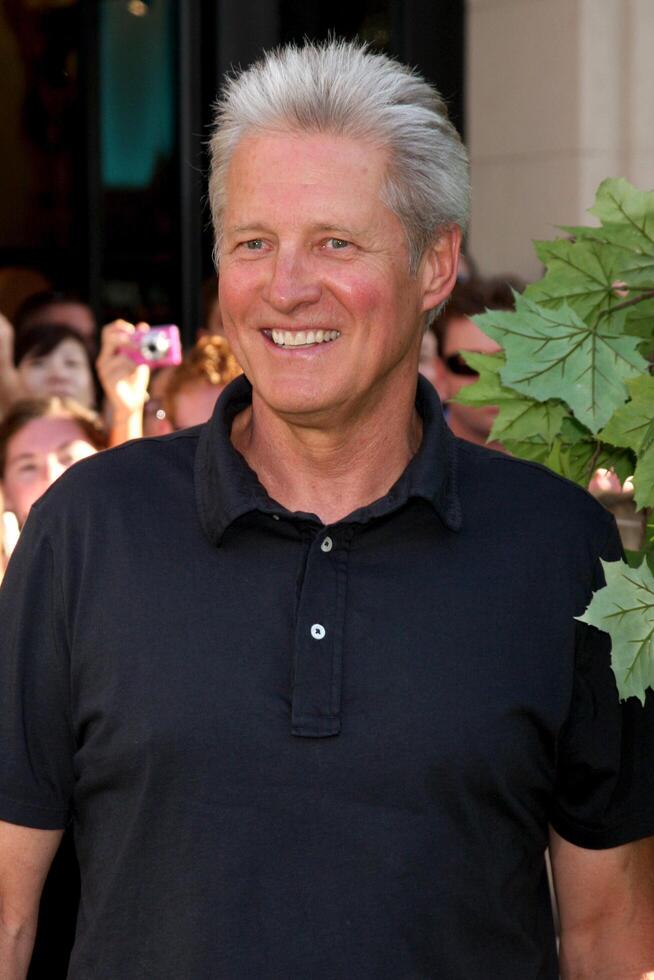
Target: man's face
x,y
461,334
316,295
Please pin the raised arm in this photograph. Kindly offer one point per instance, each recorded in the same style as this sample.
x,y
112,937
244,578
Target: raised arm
x,y
125,384
25,857
10,388
606,908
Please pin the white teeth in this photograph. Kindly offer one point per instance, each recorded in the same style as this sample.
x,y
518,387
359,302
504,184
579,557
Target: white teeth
x,y
301,338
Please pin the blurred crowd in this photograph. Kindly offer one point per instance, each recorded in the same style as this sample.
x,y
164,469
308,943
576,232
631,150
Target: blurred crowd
x,y
69,388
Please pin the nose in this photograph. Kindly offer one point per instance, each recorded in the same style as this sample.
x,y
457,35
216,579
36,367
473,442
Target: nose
x,y
294,282
55,372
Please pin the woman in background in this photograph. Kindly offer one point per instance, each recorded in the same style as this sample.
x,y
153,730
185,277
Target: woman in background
x,y
39,439
55,360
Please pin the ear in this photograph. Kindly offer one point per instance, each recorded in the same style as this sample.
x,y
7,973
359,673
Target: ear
x,y
438,267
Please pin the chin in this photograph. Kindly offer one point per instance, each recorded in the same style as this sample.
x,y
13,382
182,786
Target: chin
x,y
297,398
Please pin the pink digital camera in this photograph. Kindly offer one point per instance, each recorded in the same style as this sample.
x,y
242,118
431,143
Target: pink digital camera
x,y
158,347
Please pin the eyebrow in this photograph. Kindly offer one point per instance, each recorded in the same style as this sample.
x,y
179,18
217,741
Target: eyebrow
x,y
322,226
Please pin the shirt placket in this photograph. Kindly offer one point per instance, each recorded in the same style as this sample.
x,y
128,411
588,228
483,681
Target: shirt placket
x,y
319,635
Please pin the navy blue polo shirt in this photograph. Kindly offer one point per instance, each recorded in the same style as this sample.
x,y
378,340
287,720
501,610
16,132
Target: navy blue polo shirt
x,y
292,750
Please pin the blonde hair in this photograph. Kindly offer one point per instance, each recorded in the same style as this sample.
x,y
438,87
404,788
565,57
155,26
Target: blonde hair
x,y
210,360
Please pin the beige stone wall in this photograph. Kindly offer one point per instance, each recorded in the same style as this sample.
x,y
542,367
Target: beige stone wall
x,y
560,94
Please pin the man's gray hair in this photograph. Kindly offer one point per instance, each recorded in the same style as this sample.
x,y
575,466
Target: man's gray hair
x,y
342,88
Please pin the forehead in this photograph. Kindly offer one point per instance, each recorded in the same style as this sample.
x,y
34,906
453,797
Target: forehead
x,y
44,436
314,177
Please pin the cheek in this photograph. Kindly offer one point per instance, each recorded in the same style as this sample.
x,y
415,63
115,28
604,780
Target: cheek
x,y
362,301
238,286
85,380
19,497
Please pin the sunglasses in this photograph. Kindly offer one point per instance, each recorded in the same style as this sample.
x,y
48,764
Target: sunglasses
x,y
457,365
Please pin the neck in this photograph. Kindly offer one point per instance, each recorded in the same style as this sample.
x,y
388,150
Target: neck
x,y
332,468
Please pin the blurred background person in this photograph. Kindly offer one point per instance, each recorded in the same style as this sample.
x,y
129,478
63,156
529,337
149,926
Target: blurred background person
x,y
428,363
194,385
53,359
125,384
454,334
40,438
173,397
51,306
155,420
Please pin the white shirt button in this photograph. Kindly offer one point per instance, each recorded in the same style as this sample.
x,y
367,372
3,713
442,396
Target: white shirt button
x,y
318,631
275,517
327,544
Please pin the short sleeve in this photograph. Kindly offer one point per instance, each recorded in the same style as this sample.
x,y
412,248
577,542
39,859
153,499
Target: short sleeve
x,y
36,742
604,791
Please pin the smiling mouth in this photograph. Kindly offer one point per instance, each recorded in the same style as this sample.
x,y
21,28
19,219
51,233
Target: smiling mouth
x,y
301,338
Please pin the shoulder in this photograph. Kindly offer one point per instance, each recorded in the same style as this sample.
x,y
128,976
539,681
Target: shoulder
x,y
142,468
530,495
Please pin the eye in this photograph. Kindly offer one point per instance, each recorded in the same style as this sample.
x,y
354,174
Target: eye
x,y
337,244
254,245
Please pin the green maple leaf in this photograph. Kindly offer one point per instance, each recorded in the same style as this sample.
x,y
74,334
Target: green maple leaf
x,y
584,272
580,273
543,432
624,608
520,418
576,454
633,426
554,354
627,216
619,203
627,274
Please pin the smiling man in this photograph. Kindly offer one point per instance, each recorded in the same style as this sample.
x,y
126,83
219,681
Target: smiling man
x,y
307,679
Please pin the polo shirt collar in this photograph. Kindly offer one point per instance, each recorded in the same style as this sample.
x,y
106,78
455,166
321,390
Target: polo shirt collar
x,y
226,488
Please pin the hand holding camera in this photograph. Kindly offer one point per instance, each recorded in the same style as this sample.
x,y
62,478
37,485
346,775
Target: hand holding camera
x,y
125,383
157,347
127,353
